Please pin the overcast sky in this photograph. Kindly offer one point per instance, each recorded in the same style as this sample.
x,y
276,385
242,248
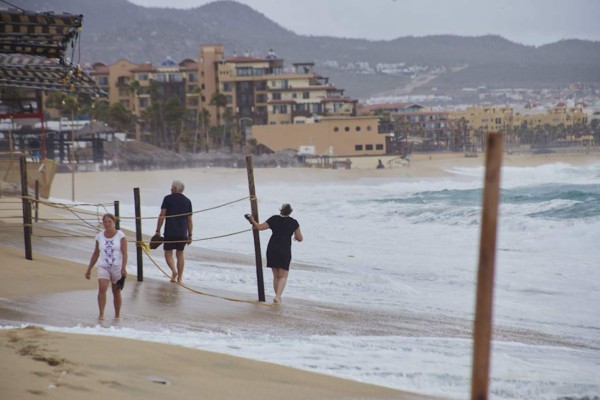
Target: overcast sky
x,y
531,22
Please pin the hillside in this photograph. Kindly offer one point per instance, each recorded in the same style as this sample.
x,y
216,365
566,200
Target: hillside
x,y
115,29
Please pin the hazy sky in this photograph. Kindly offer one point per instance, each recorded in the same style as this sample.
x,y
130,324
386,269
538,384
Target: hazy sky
x,y
531,22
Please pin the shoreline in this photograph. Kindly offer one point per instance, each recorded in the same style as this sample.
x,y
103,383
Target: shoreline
x,y
51,279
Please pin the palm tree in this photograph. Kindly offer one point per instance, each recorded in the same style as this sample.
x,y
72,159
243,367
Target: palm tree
x,y
120,118
219,100
134,89
205,118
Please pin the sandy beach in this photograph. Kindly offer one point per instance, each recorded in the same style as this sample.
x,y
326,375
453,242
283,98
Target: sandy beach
x,y
51,290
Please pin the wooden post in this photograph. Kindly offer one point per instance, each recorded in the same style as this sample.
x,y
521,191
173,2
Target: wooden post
x,y
117,212
138,234
255,233
36,207
482,334
26,209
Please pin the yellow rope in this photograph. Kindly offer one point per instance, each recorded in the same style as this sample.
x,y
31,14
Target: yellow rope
x,y
143,246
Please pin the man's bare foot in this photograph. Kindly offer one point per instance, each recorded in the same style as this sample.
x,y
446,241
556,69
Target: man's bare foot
x,y
101,317
276,300
174,277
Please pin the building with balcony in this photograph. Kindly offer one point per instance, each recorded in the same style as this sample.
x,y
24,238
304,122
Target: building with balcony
x,y
257,92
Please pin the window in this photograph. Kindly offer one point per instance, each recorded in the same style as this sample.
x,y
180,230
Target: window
x,y
305,95
276,96
358,129
227,86
369,147
369,128
358,147
347,129
279,109
378,147
336,129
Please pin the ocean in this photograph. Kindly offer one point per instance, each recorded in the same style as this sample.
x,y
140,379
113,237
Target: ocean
x,y
402,254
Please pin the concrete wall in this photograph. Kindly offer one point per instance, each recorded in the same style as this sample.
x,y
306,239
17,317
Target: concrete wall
x,y
331,136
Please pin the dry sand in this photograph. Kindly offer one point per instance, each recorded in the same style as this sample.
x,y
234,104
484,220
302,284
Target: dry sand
x,y
37,363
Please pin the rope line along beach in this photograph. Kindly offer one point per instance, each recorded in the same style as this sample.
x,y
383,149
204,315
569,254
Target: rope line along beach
x,y
143,246
85,223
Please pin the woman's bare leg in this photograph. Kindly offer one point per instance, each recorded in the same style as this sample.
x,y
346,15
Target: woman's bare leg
x,y
117,300
102,289
280,276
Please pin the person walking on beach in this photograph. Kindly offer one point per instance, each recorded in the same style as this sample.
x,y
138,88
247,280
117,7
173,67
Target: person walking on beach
x,y
111,255
176,209
279,249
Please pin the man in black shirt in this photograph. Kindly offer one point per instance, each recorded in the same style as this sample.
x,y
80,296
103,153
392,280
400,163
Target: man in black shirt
x,y
176,212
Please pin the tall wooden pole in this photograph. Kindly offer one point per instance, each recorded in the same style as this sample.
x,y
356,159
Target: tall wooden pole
x,y
482,334
255,233
26,210
138,234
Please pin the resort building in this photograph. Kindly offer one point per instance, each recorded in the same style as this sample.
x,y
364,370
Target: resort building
x,y
248,93
560,114
413,127
485,119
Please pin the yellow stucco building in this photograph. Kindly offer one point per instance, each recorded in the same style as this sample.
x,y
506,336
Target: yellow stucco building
x,y
332,136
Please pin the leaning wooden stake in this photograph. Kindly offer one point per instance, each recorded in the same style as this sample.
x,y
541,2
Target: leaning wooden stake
x,y
26,209
482,334
255,233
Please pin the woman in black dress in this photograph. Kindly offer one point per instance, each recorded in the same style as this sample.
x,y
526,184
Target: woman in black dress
x,y
279,250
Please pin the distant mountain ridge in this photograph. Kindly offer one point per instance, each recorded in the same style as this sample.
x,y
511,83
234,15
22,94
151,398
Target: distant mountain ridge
x,y
115,29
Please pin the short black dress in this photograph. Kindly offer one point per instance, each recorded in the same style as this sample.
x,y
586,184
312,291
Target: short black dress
x,y
279,250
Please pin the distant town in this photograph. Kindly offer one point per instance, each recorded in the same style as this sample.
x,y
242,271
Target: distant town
x,y
250,104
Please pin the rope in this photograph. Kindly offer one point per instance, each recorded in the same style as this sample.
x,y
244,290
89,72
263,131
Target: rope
x,y
51,203
203,239
194,212
64,236
222,205
142,245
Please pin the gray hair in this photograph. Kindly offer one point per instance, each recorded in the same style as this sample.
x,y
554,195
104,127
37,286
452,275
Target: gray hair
x,y
179,186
